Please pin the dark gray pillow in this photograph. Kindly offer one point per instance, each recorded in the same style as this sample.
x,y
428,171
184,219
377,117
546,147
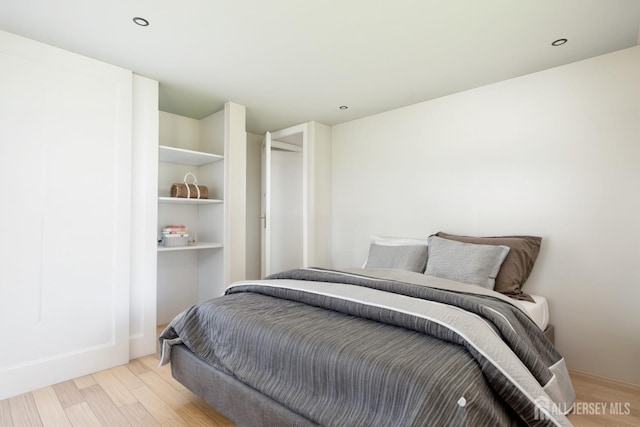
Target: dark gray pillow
x,y
469,263
402,257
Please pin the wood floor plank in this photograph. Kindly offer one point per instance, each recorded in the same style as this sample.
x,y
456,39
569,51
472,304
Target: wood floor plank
x,y
126,377
177,401
618,396
24,411
216,416
103,407
601,402
157,407
84,382
118,393
138,416
152,362
137,366
68,393
195,417
81,415
51,411
164,390
5,414
164,371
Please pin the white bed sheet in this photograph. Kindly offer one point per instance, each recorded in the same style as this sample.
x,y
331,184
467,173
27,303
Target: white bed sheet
x,y
538,311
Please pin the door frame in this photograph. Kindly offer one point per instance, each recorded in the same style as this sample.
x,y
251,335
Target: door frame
x,y
294,138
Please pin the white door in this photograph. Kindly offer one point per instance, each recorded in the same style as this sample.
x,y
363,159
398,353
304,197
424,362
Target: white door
x,y
282,206
65,167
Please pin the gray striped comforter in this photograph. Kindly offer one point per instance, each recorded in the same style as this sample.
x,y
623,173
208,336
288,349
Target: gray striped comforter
x,y
381,348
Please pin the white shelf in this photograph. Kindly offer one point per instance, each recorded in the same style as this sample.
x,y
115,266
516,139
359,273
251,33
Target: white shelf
x,y
202,245
185,201
208,219
186,157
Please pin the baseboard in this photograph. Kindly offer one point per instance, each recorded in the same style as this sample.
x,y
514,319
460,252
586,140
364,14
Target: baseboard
x,y
594,377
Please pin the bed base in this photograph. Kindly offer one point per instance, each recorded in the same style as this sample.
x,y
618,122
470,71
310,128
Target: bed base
x,y
240,403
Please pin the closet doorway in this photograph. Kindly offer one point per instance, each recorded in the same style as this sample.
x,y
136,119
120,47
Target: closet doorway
x,y
283,200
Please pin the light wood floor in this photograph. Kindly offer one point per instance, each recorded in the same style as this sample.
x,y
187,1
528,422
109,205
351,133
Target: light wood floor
x,y
602,402
136,394
142,394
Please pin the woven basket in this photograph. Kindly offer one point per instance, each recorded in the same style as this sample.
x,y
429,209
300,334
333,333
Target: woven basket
x,y
189,191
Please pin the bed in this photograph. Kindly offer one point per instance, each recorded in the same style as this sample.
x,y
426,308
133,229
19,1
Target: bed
x,y
369,346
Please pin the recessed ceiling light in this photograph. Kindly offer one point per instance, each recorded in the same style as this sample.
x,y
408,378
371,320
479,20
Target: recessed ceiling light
x,y
559,42
141,21
343,107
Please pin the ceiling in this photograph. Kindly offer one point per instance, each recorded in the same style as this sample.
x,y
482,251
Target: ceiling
x,y
291,61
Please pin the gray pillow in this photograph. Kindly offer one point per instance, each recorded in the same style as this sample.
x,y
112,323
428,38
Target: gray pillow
x,y
516,267
469,263
403,257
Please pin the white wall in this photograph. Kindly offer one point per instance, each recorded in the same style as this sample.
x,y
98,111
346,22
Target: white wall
x,y
554,154
144,218
235,204
254,197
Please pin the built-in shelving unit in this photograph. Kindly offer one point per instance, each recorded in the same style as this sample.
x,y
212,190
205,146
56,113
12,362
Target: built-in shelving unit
x,y
195,162
188,274
203,147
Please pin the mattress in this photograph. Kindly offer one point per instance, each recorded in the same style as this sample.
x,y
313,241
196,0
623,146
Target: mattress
x,y
538,311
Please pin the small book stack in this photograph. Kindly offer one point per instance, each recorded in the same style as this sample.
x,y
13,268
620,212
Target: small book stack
x,y
175,235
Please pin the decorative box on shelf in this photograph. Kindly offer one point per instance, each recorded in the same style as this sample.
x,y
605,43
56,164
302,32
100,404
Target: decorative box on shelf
x,y
174,236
